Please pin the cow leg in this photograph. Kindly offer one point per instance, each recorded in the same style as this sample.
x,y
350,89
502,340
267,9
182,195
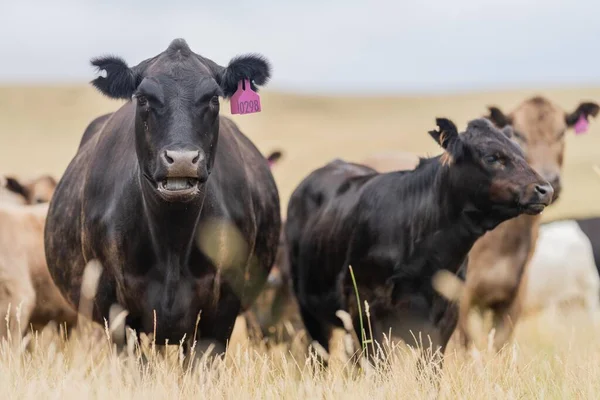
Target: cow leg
x,y
504,327
17,301
315,328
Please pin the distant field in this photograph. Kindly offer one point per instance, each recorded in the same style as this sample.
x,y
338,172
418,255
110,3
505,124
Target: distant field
x,y
40,128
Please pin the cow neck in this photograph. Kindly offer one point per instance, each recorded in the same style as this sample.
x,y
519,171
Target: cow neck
x,y
440,234
429,195
172,226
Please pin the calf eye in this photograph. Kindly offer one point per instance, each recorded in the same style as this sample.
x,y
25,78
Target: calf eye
x,y
493,159
142,100
214,101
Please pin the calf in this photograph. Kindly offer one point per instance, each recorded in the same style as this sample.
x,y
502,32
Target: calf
x,y
396,230
25,283
562,270
498,261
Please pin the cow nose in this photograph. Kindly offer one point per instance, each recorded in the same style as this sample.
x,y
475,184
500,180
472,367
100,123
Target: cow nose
x,y
544,192
182,163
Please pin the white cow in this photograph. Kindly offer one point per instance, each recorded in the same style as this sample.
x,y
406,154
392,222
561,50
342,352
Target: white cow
x,y
562,270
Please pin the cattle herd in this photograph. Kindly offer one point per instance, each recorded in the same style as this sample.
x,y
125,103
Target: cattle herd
x,y
156,186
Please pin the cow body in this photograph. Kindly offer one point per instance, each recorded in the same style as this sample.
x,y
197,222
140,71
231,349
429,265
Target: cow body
x,y
176,247
27,293
395,230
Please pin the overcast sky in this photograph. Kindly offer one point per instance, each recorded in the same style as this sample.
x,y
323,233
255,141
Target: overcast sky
x,y
318,45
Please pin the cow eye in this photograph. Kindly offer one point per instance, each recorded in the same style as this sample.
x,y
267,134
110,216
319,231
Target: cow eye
x,y
142,100
493,159
214,101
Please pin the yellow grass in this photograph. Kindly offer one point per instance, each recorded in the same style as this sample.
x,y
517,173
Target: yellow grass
x,y
554,357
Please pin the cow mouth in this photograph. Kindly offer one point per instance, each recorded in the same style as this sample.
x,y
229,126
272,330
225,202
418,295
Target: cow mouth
x,y
178,185
178,189
533,208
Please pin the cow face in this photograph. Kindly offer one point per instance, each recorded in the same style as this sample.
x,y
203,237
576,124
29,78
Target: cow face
x,y
539,128
491,171
34,191
176,98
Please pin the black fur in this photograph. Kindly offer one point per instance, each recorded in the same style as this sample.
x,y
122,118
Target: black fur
x,y
252,66
120,81
446,133
498,117
274,156
586,109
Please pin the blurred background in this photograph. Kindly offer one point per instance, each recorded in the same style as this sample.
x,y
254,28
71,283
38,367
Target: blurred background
x,y
350,78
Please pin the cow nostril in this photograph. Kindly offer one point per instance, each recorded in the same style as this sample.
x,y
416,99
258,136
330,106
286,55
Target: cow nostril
x,y
541,189
168,158
195,160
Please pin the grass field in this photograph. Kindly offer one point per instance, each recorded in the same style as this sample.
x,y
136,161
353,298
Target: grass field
x,y
554,357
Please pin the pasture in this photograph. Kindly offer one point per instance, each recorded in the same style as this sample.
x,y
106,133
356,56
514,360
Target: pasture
x,y
553,356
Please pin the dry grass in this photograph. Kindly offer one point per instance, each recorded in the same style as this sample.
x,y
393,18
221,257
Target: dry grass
x,y
553,357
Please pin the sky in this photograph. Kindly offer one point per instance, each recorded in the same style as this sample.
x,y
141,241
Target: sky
x,y
318,46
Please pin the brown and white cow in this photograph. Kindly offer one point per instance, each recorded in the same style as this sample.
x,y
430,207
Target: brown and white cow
x,y
28,295
497,263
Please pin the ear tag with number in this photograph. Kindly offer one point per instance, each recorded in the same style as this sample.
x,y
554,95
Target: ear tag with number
x,y
582,125
245,100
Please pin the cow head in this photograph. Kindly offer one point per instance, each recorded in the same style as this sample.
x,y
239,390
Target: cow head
x,y
539,127
490,171
34,191
176,98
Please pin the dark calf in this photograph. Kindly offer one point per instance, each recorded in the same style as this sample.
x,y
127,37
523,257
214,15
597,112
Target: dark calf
x,y
398,229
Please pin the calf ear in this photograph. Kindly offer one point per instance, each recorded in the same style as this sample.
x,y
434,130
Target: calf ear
x,y
508,131
446,134
120,81
498,118
585,109
15,186
252,66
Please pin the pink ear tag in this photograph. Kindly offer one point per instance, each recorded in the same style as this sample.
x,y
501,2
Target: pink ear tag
x,y
582,125
245,100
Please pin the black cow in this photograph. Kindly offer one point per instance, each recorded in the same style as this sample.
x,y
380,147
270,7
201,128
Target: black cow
x,y
398,229
153,185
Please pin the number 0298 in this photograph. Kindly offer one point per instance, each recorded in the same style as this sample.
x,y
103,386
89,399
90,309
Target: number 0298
x,y
248,106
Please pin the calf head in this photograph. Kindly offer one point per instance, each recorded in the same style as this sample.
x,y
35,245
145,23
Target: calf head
x,y
539,128
489,172
176,95
34,191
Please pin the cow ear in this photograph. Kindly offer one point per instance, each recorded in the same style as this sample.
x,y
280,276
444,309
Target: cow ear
x,y
274,157
508,131
446,135
120,81
498,118
585,109
251,66
15,186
